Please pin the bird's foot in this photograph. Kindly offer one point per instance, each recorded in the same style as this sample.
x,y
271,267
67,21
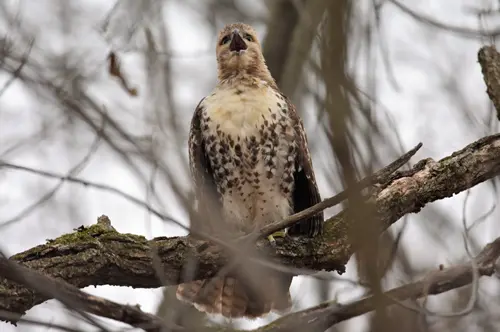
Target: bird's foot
x,y
276,234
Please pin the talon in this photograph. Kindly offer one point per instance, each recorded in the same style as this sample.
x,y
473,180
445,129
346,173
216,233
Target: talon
x,y
272,240
276,234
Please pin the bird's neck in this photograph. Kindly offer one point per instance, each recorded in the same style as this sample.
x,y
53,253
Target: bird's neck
x,y
245,77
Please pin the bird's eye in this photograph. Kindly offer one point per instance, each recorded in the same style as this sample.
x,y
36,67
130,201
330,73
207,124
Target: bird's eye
x,y
225,40
248,37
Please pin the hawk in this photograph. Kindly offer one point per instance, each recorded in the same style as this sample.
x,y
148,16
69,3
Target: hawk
x,y
250,162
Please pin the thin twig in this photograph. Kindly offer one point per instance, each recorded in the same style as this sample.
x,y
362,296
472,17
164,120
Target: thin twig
x,y
72,172
380,176
323,316
466,32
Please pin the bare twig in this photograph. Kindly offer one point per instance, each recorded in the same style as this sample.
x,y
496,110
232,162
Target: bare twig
x,y
465,32
91,184
323,316
72,172
74,298
382,176
16,73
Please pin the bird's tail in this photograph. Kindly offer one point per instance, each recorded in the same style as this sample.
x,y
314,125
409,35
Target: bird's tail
x,y
233,299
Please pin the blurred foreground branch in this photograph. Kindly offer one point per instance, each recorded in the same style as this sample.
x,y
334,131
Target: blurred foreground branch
x,y
73,298
327,314
99,255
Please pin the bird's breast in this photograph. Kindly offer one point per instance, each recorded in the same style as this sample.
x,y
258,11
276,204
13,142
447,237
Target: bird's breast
x,y
242,112
251,146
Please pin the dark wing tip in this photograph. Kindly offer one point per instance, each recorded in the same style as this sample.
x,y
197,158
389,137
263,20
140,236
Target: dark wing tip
x,y
305,193
309,227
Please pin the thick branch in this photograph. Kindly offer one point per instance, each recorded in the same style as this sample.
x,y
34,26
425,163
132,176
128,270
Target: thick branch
x,y
99,255
75,299
489,59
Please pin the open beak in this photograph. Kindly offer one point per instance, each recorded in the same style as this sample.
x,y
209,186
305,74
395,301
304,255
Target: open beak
x,y
237,43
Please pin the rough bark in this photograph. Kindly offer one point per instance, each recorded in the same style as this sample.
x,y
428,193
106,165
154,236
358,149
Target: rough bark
x,y
76,299
318,318
98,255
489,59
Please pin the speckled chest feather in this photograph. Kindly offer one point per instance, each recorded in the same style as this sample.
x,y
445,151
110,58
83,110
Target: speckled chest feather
x,y
251,146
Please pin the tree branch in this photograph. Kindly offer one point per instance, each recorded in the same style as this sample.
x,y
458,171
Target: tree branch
x,y
325,315
318,318
381,177
76,299
489,59
99,255
281,25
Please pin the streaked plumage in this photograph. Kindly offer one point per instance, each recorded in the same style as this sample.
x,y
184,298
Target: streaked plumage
x,y
250,162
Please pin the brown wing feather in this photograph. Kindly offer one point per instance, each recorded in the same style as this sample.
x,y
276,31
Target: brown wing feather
x,y
202,174
305,193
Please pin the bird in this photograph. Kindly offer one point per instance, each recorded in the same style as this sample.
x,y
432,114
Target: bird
x,y
250,162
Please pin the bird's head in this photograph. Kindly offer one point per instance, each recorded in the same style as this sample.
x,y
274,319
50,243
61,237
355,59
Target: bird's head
x,y
239,53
